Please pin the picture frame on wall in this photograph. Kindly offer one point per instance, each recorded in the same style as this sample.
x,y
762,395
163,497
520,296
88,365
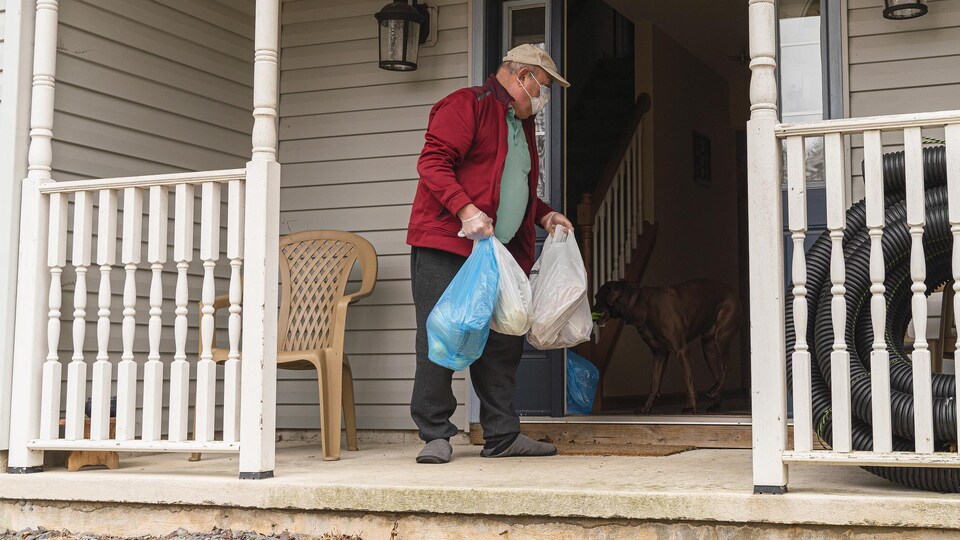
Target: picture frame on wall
x,y
701,159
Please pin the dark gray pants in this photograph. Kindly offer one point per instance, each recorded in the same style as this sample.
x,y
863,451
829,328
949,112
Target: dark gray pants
x,y
494,374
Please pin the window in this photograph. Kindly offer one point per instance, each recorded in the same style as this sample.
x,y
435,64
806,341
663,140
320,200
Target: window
x,y
525,21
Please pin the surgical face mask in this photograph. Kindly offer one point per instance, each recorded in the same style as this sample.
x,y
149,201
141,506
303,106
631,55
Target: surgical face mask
x,y
537,103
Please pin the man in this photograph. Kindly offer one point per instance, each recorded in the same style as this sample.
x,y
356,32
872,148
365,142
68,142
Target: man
x,y
478,178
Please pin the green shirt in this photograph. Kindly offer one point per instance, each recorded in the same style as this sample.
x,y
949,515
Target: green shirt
x,y
514,186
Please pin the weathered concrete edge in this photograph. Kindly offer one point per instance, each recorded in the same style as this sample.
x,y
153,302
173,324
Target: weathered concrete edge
x,y
805,508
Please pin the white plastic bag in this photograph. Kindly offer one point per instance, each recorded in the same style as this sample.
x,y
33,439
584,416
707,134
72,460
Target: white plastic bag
x,y
512,311
561,309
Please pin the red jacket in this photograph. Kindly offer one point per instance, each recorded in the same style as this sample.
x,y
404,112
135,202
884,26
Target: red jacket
x,y
462,163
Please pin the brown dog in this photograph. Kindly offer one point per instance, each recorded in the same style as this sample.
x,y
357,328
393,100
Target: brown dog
x,y
669,318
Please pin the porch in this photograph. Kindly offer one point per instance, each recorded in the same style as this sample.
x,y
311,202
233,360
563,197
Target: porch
x,y
378,491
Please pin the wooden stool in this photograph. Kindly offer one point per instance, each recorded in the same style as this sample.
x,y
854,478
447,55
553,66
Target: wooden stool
x,y
81,458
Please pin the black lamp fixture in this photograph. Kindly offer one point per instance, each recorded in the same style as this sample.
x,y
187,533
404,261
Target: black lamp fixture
x,y
903,9
403,28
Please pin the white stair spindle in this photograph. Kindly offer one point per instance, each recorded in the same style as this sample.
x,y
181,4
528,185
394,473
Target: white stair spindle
x,y
879,357
56,260
609,251
102,368
617,215
631,210
953,187
638,173
797,208
231,369
621,225
77,369
206,368
916,219
180,369
153,369
596,255
840,357
127,369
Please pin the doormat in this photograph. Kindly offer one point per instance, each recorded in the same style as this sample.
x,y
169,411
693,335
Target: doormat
x,y
646,450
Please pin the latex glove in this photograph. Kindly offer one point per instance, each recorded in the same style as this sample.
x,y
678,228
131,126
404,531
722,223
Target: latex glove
x,y
476,227
551,220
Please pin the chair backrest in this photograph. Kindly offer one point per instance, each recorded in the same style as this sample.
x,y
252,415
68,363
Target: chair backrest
x,y
314,268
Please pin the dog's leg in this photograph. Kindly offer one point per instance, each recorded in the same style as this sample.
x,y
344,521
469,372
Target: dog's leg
x,y
691,407
659,363
728,323
711,353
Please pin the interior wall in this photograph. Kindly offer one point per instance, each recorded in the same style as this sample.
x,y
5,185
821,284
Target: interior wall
x,y
698,227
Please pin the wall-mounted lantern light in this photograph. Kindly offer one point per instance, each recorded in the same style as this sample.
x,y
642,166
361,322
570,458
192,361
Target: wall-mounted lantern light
x,y
903,9
403,28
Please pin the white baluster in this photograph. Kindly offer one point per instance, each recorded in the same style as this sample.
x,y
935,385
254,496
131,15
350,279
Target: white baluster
x,y
840,357
617,242
127,370
102,369
638,174
180,369
56,260
631,209
609,252
797,207
231,369
621,226
77,369
953,187
916,219
207,368
153,369
879,357
596,255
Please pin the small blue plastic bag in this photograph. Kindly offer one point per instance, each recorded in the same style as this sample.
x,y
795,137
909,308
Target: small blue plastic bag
x,y
582,379
458,326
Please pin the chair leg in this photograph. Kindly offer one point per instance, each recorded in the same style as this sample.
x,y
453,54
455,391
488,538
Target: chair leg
x,y
330,400
349,409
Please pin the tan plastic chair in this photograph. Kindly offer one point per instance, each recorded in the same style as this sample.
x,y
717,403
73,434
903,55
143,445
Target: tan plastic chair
x,y
314,267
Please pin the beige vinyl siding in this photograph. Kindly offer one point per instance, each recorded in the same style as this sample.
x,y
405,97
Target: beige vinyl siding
x,y
350,135
147,87
903,66
900,67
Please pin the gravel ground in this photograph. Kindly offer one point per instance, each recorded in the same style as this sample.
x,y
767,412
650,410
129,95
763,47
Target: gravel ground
x,y
41,533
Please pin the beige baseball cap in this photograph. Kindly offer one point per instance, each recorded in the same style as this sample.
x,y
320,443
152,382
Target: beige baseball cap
x,y
535,56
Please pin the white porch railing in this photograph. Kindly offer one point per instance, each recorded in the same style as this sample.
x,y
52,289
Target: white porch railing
x,y
249,396
833,132
133,191
842,449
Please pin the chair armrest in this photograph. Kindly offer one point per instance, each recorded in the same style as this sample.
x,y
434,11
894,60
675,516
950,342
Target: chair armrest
x,y
368,265
219,302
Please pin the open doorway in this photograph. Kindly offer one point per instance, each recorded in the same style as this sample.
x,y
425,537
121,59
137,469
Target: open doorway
x,y
691,59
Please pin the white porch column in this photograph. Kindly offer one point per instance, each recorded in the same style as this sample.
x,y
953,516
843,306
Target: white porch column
x,y
258,394
767,347
34,277
14,140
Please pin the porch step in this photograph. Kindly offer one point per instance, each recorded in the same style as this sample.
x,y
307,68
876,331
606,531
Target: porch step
x,y
678,432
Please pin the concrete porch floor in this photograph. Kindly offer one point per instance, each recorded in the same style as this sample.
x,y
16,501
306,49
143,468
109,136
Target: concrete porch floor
x,y
701,486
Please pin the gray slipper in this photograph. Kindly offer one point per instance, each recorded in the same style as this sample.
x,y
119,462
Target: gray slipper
x,y
435,451
524,446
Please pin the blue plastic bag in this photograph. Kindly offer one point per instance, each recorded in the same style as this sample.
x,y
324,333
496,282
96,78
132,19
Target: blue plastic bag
x,y
582,379
458,326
